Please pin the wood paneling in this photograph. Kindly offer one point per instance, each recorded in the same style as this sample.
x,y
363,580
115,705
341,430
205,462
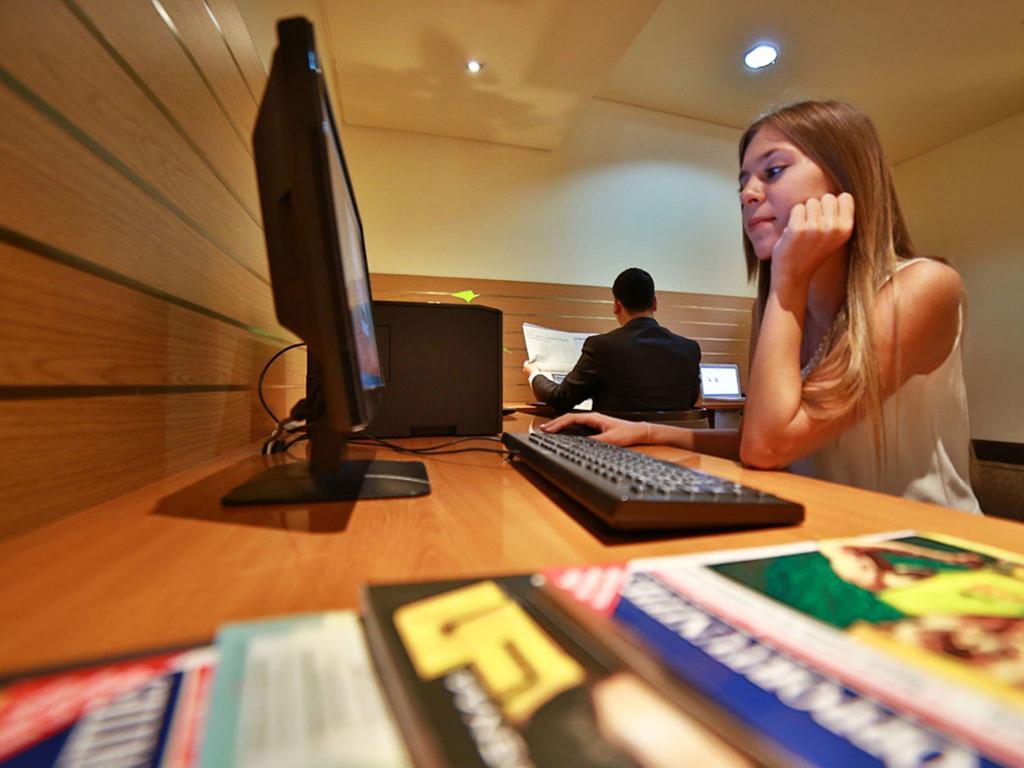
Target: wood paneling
x,y
207,46
66,327
55,56
57,191
237,37
136,310
153,53
76,451
720,324
82,450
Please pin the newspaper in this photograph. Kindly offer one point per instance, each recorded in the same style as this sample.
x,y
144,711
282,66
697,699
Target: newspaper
x,y
556,352
894,649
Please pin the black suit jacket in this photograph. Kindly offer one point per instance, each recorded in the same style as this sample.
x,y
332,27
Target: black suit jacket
x,y
638,367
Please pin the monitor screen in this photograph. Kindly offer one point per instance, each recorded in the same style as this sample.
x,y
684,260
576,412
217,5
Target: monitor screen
x,y
357,283
314,234
720,380
321,286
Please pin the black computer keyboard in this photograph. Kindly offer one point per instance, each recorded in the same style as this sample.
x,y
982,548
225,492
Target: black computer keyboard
x,y
629,489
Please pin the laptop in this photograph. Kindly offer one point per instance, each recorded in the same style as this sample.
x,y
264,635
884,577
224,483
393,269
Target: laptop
x,y
720,381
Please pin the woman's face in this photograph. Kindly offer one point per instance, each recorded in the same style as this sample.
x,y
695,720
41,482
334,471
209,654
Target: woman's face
x,y
775,175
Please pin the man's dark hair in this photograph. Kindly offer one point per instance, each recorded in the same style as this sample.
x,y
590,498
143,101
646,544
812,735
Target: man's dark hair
x,y
634,289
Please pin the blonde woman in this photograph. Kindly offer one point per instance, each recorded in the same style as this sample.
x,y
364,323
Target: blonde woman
x,y
856,371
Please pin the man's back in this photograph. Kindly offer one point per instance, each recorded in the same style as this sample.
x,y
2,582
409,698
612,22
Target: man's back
x,y
645,367
638,367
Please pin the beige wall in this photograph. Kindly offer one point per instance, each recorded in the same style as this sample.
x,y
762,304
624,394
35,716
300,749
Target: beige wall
x,y
627,187
964,201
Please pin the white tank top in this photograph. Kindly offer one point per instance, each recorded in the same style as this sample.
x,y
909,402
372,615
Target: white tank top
x,y
926,453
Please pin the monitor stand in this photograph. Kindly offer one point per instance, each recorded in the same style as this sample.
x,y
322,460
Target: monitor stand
x,y
329,476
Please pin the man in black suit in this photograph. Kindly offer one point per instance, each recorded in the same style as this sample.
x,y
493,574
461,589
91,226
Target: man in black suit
x,y
639,366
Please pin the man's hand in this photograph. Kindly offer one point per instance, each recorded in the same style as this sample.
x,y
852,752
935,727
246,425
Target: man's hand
x,y
530,368
816,229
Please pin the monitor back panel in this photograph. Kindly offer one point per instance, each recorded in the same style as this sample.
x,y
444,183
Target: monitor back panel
x,y
442,369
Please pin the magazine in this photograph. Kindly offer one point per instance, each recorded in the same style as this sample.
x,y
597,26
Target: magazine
x,y
894,649
141,711
299,691
493,673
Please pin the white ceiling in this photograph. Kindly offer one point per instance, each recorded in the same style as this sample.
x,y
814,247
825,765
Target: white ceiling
x,y
928,71
400,63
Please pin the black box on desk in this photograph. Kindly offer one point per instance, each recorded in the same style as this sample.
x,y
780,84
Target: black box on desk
x,y
442,369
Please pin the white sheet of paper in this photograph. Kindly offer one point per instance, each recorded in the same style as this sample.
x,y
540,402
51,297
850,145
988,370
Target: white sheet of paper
x,y
556,352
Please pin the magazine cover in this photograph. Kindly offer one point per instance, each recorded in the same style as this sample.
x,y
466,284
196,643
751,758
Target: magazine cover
x,y
299,691
491,673
894,649
143,711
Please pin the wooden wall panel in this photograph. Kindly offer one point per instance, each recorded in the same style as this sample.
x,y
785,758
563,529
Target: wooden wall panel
x,y
63,327
155,57
56,57
207,46
240,43
78,451
720,324
54,190
135,305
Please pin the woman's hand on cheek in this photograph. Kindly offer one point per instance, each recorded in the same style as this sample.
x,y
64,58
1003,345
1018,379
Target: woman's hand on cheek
x,y
816,229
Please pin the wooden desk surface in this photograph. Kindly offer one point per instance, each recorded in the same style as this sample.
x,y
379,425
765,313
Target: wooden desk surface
x,y
167,565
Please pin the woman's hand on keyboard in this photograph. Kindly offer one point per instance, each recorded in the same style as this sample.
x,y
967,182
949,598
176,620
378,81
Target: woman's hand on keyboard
x,y
609,430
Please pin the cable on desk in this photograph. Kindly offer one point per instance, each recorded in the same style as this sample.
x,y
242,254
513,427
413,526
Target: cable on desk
x,y
263,373
279,441
431,450
363,437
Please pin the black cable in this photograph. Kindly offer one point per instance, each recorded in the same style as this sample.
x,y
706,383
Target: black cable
x,y
499,451
263,373
363,437
430,450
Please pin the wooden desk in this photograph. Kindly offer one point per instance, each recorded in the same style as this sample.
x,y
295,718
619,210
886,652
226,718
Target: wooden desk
x,y
166,564
723,414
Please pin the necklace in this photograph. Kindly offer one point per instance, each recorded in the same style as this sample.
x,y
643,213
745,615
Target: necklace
x,y
824,345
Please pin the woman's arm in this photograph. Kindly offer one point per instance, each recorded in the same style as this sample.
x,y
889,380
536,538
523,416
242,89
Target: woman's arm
x,y
915,319
717,442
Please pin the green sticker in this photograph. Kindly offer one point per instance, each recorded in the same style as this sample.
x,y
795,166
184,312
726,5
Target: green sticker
x,y
506,350
466,296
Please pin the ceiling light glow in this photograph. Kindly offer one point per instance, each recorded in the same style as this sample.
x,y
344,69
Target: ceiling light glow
x,y
474,65
761,56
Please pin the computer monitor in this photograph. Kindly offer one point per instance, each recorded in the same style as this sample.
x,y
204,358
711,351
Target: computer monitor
x,y
321,286
720,381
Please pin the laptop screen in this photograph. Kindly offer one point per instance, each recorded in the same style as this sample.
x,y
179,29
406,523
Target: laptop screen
x,y
720,380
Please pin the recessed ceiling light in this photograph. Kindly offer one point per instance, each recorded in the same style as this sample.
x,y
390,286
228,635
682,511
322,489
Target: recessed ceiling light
x,y
474,66
761,55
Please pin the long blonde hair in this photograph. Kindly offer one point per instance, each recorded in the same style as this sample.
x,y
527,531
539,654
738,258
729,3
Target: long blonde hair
x,y
843,142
